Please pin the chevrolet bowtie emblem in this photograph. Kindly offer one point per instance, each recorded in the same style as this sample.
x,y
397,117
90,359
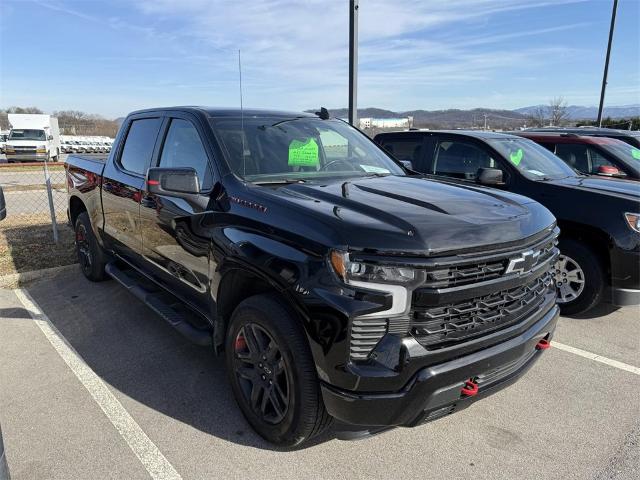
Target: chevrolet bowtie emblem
x,y
523,263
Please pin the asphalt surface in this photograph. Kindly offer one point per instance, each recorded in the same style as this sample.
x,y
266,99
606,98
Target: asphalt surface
x,y
570,417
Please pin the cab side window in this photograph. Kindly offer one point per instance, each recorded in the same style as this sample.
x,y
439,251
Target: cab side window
x,y
139,145
461,160
406,149
574,155
183,148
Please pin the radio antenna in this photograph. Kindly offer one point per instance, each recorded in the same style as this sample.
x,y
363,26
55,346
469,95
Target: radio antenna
x,y
244,162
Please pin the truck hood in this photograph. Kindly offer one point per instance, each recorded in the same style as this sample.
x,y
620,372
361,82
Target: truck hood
x,y
411,214
615,187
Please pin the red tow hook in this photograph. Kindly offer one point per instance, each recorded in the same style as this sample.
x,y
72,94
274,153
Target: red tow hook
x,y
543,344
470,388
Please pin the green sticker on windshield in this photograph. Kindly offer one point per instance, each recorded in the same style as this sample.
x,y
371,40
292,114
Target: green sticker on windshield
x,y
635,153
303,154
516,157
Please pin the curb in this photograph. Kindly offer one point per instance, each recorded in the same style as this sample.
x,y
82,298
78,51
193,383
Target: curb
x,y
14,279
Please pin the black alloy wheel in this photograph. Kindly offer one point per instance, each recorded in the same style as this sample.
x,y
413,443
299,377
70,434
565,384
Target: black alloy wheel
x,y
262,373
83,248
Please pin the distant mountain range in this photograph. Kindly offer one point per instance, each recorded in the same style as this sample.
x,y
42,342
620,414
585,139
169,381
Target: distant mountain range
x,y
577,112
456,118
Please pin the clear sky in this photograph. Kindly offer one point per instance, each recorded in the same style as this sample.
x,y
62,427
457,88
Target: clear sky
x,y
114,56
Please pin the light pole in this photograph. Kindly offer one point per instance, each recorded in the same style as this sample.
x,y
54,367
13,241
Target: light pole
x,y
606,62
353,62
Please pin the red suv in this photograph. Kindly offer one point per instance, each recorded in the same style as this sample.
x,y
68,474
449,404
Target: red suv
x,y
591,155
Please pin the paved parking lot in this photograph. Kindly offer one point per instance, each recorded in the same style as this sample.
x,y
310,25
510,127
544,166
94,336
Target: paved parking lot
x,y
163,407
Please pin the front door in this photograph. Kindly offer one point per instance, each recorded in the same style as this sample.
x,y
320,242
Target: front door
x,y
174,240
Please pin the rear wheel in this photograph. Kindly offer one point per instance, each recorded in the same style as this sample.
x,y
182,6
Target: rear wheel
x,y
90,255
272,373
579,277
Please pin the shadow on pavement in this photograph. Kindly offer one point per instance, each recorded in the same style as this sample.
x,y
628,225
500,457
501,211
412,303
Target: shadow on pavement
x,y
135,352
599,310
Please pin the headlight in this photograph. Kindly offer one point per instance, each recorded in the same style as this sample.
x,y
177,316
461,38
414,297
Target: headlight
x,y
633,220
399,281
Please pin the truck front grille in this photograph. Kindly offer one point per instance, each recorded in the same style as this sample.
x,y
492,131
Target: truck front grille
x,y
438,327
475,271
365,335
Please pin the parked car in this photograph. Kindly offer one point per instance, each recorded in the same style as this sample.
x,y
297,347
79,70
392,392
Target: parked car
x,y
338,285
591,155
598,217
4,469
3,205
632,137
3,141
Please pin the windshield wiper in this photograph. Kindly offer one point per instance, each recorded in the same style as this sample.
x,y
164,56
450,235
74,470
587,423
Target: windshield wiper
x,y
280,181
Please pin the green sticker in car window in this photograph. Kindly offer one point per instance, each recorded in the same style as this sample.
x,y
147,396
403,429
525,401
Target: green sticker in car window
x,y
635,153
516,157
303,154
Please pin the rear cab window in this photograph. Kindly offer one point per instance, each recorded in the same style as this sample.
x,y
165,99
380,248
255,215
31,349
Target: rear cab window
x,y
139,145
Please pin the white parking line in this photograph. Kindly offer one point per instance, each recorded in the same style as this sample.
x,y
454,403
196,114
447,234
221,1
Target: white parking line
x,y
596,358
147,452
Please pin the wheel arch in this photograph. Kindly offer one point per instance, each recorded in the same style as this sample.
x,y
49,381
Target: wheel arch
x,y
236,284
76,207
595,238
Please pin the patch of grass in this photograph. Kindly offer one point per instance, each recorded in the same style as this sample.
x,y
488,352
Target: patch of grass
x,y
14,167
26,243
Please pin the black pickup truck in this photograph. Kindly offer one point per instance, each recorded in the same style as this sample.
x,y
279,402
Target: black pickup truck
x,y
340,287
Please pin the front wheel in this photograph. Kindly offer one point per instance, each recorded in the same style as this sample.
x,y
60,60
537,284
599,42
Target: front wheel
x,y
272,373
579,277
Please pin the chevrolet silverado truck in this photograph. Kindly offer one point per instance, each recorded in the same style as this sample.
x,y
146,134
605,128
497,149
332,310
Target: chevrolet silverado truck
x,y
340,287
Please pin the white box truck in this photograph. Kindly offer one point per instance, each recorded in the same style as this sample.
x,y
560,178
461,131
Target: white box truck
x,y
33,137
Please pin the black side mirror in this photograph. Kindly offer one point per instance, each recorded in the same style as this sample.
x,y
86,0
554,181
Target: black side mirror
x,y
50,137
174,182
490,176
3,206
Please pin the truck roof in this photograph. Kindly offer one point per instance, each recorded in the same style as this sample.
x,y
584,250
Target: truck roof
x,y
228,112
479,134
559,137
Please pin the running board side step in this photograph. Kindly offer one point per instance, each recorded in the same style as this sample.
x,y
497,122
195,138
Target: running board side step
x,y
156,301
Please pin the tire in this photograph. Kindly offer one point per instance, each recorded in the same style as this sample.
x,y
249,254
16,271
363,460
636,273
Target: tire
x,y
257,325
589,269
91,256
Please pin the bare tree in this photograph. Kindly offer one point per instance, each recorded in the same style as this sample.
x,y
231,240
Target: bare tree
x,y
538,118
558,113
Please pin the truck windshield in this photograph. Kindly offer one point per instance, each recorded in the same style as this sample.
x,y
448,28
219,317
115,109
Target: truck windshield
x,y
27,135
532,160
283,149
623,151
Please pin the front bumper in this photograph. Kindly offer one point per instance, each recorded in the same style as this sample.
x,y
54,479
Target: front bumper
x,y
625,277
435,391
26,157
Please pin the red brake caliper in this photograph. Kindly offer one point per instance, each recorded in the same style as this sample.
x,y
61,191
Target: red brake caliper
x,y
241,343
